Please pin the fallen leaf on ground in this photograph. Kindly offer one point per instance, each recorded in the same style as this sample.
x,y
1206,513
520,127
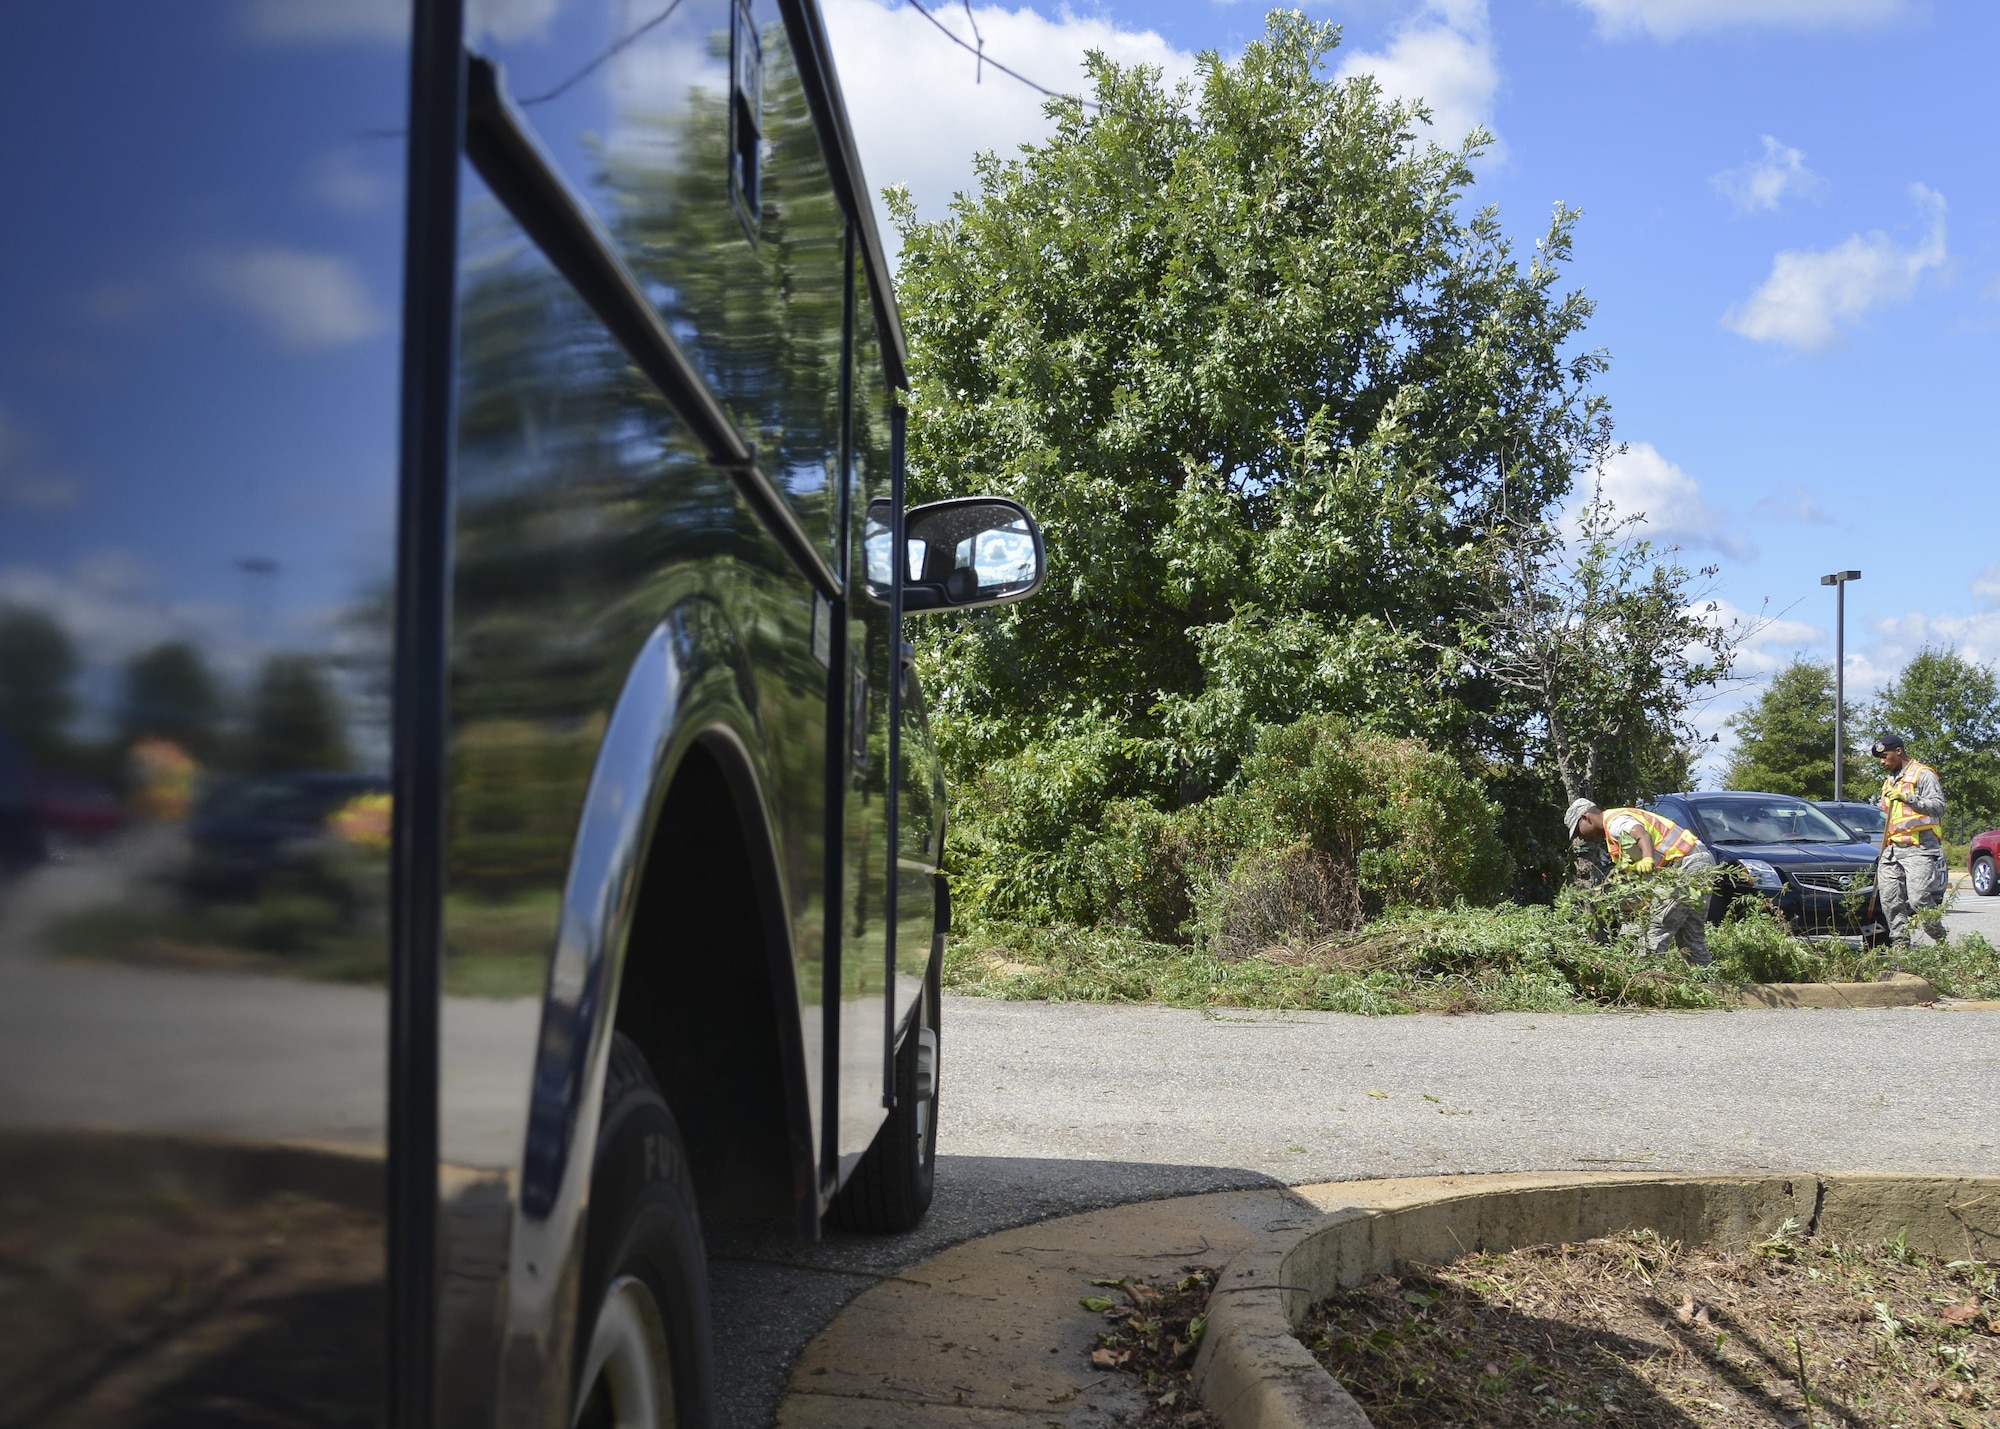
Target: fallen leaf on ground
x,y
1960,1314
1109,1359
1099,1303
1685,1312
1383,1095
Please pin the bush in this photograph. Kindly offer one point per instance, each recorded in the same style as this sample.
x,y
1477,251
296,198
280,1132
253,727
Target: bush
x,y
1326,821
1415,830
1753,944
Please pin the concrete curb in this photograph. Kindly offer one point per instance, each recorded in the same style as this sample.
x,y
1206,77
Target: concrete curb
x,y
1253,1373
1896,990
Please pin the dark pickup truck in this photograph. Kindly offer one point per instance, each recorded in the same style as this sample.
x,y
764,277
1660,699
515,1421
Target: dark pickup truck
x,y
455,475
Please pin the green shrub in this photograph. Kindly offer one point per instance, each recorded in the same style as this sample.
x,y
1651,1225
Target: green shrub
x,y
1408,820
1753,944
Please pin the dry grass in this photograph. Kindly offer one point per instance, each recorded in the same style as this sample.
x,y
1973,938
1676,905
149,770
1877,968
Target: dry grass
x,y
1639,1331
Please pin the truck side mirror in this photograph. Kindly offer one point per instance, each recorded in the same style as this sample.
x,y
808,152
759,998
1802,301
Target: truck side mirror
x,y
962,554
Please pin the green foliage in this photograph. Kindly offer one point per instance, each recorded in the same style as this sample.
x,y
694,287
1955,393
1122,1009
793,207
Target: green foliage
x,y
1562,956
37,666
1605,642
1258,371
1325,819
1752,944
1298,422
295,719
1948,708
1784,742
170,692
1409,822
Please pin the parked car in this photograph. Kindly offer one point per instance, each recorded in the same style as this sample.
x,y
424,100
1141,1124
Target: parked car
x,y
1783,849
526,458
1865,821
73,807
1980,861
249,828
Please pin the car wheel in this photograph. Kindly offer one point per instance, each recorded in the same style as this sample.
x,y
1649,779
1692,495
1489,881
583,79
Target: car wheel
x,y
1983,882
891,1188
646,1347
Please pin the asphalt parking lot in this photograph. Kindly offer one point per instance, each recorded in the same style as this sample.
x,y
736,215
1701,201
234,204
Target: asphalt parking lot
x,y
1052,1109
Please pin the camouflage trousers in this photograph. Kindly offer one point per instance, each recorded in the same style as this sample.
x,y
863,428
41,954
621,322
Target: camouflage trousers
x,y
1680,921
1910,881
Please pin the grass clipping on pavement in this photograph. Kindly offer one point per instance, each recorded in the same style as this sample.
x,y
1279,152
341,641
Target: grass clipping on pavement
x,y
1586,950
1640,1331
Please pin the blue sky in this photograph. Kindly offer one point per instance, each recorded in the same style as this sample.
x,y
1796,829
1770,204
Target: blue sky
x,y
1789,227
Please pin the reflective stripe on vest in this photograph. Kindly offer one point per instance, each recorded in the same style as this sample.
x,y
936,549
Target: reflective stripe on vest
x,y
1670,840
1906,825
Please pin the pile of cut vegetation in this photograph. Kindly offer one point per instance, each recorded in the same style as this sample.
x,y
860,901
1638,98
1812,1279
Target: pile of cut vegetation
x,y
1581,952
1641,1331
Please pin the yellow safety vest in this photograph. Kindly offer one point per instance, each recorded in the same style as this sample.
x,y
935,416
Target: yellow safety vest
x,y
1670,840
1906,826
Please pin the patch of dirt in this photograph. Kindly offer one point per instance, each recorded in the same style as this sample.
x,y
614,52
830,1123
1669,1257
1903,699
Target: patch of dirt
x,y
1153,1333
140,1306
1640,1331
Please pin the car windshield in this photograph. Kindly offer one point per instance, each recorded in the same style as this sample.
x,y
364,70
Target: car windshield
x,y
1865,819
1773,819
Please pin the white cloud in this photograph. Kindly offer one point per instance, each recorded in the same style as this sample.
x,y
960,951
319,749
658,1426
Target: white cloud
x,y
1809,294
305,300
1770,642
920,117
294,22
106,606
1762,184
25,484
1639,481
315,21
1795,505
1670,19
1976,637
1986,588
339,180
1443,57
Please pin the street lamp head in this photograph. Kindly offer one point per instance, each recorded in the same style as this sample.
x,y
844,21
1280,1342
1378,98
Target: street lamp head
x,y
1840,577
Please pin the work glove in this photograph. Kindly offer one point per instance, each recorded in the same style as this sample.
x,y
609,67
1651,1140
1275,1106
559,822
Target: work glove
x,y
1644,865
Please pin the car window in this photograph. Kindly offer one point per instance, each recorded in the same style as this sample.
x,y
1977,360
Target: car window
x,y
1772,820
1865,819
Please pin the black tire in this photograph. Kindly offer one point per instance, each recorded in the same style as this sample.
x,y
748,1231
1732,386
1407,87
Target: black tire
x,y
644,1292
1984,883
891,1188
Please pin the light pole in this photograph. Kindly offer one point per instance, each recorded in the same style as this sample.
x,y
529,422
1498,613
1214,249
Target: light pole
x,y
1838,580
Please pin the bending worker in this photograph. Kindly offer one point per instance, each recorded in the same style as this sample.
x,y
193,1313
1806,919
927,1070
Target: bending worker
x,y
1910,873
1641,841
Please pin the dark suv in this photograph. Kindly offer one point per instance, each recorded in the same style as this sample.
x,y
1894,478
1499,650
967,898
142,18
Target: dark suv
x,y
454,470
1785,850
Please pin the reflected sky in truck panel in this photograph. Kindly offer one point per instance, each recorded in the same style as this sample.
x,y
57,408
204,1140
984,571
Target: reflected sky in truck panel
x,y
632,101
200,261
203,306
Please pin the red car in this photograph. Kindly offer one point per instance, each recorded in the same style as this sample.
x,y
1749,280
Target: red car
x,y
1985,854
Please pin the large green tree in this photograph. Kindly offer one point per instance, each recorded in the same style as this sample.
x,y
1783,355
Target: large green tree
x,y
169,691
1267,378
296,722
1948,708
1785,739
38,666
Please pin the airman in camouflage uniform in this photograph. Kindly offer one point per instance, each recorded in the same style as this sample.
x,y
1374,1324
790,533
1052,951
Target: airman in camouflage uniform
x,y
1910,874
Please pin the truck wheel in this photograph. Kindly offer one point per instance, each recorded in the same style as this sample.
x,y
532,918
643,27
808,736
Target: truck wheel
x,y
891,1189
1983,882
646,1349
